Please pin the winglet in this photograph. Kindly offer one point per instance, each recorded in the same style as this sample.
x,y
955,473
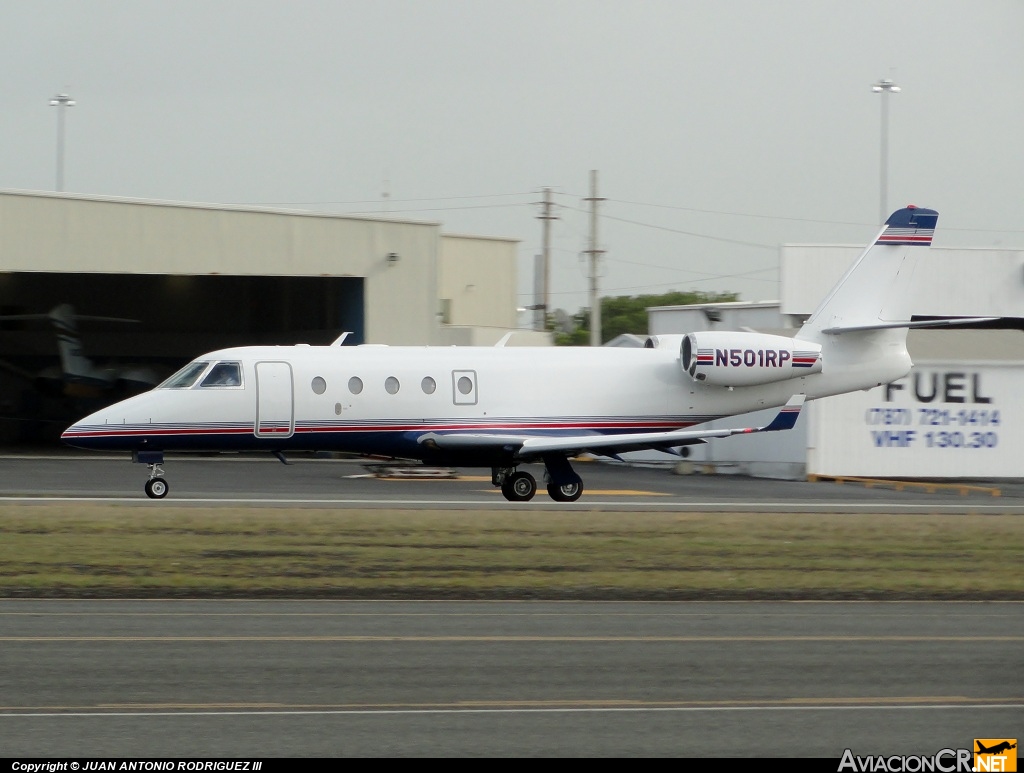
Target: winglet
x,y
787,416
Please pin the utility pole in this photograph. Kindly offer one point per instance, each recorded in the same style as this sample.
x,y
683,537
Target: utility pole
x,y
595,257
61,102
540,319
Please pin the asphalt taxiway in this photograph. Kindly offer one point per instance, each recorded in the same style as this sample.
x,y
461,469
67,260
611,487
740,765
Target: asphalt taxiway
x,y
228,479
253,679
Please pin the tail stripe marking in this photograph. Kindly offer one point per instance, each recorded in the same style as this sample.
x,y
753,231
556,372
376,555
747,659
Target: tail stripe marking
x,y
906,236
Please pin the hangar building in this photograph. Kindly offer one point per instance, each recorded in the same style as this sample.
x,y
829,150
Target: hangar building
x,y
187,278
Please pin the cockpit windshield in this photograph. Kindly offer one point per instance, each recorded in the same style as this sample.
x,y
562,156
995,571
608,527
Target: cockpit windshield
x,y
185,377
223,374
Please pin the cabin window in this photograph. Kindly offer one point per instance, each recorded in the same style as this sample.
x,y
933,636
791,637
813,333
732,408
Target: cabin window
x,y
392,386
224,374
465,385
185,377
355,385
319,386
429,385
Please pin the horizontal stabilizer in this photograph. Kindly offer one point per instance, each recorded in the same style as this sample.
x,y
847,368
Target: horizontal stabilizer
x,y
923,323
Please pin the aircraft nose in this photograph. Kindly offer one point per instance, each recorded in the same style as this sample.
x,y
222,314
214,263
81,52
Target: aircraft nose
x,y
98,430
78,436
112,428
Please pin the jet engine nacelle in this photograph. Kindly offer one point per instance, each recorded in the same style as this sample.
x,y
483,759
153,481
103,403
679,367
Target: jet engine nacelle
x,y
744,359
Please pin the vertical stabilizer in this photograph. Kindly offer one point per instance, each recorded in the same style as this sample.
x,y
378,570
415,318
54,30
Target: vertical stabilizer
x,y
73,362
875,290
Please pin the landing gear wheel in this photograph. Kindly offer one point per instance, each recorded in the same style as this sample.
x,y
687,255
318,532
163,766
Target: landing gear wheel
x,y
156,488
519,487
570,492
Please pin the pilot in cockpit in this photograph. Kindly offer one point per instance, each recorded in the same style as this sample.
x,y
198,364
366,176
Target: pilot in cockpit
x,y
223,374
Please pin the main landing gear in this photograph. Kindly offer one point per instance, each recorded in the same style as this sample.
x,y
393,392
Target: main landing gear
x,y
564,485
156,487
569,492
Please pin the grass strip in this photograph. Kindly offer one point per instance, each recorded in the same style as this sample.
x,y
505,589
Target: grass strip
x,y
118,551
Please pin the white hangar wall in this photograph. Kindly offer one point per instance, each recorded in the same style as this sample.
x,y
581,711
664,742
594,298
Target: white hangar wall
x,y
402,264
477,281
946,419
75,234
477,293
956,415
947,281
47,232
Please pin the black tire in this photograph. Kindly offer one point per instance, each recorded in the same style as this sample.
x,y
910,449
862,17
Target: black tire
x,y
157,488
519,487
567,493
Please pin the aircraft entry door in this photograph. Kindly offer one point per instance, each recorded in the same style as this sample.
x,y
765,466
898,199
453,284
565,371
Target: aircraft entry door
x,y
275,415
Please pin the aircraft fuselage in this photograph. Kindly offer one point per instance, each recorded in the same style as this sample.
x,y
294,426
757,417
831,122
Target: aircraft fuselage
x,y
381,400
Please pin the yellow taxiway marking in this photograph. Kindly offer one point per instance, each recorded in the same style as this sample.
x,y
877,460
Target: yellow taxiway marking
x,y
486,479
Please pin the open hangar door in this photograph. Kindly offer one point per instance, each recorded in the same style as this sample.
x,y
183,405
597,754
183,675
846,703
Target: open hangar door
x,y
167,320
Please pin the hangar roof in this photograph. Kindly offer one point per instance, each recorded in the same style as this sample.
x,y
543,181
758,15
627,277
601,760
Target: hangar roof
x,y
383,217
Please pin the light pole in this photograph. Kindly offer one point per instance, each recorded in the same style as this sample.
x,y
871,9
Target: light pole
x,y
885,87
61,102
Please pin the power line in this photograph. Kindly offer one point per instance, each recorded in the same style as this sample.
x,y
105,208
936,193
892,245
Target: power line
x,y
690,270
792,219
739,214
724,239
678,282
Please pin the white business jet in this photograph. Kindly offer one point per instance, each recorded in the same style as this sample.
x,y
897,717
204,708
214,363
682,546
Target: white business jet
x,y
501,407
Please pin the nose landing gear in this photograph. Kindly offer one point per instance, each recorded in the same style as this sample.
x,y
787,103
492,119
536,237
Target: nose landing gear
x,y
156,487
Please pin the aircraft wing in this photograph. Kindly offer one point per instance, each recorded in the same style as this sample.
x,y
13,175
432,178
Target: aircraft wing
x,y
538,445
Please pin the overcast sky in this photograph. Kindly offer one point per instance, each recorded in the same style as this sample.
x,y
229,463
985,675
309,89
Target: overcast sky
x,y
719,129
